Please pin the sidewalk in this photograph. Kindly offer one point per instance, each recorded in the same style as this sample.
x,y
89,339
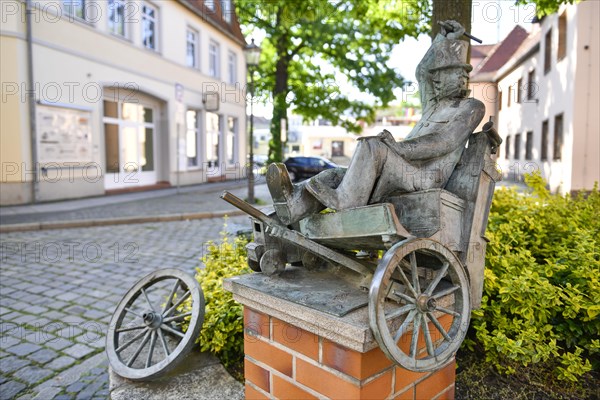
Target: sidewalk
x,y
191,202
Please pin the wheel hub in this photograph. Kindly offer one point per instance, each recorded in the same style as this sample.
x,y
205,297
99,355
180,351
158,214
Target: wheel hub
x,y
152,319
426,303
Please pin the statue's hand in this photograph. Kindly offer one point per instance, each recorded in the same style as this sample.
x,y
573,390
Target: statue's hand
x,y
452,29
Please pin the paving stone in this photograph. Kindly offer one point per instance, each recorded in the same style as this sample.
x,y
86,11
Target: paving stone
x,y
43,356
12,316
4,310
78,351
55,315
90,390
58,343
32,374
75,310
3,379
10,389
61,363
26,319
75,387
8,341
67,296
23,349
64,397
37,310
11,364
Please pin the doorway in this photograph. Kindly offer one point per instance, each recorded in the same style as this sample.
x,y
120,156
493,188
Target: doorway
x,y
129,137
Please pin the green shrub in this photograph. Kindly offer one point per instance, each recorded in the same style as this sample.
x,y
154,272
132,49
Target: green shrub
x,y
541,298
222,332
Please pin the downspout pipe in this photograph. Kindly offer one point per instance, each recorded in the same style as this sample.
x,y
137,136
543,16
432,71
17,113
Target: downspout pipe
x,y
31,101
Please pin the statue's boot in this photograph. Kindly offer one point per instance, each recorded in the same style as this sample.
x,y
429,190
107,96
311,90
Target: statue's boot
x,y
291,202
354,190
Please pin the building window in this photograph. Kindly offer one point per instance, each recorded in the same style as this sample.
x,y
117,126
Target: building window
x,y
232,127
149,27
519,90
531,85
210,4
562,36
499,100
192,119
232,67
213,59
529,146
510,94
518,146
544,152
226,10
213,131
558,137
548,52
191,58
75,8
116,17
507,148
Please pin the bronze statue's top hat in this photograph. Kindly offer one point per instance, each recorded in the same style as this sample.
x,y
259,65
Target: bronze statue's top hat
x,y
449,53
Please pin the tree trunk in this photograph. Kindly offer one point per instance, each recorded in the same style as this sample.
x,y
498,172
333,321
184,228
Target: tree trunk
x,y
458,10
280,92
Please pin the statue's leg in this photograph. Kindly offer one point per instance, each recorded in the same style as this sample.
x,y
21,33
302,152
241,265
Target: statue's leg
x,y
358,182
293,202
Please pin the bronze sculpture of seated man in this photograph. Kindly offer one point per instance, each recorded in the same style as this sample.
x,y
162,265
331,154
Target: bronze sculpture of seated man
x,y
382,167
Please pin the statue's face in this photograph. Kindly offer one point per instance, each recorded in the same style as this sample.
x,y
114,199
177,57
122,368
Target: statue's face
x,y
451,83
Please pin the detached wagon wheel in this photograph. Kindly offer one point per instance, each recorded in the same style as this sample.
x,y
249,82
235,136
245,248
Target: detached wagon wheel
x,y
419,285
147,336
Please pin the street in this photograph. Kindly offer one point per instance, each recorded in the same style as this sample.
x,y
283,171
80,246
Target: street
x,y
58,291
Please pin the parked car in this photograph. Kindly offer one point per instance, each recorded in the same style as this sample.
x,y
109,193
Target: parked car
x,y
301,168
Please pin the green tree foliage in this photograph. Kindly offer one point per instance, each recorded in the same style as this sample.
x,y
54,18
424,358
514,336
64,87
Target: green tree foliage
x,y
353,38
546,7
541,298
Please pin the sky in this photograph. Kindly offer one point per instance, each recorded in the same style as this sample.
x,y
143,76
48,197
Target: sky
x,y
491,22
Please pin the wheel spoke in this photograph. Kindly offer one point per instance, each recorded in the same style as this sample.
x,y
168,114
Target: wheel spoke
x,y
404,297
177,317
173,331
148,300
415,272
139,349
127,344
152,343
130,328
428,341
415,336
437,279
439,326
163,341
129,310
174,307
404,326
446,311
400,311
406,281
170,298
446,292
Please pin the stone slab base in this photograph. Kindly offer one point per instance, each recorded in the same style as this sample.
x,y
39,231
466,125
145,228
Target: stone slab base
x,y
199,376
284,361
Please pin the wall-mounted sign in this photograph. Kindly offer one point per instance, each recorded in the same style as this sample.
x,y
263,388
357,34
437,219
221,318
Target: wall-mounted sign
x,y
64,134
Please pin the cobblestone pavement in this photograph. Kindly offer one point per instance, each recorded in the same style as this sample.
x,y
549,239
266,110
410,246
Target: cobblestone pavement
x,y
58,289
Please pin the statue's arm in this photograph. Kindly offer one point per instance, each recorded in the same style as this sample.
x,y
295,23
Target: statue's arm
x,y
437,144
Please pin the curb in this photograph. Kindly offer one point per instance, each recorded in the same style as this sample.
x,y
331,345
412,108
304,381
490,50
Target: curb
x,y
40,226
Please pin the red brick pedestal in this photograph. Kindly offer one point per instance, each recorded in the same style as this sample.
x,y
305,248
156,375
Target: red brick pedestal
x,y
294,352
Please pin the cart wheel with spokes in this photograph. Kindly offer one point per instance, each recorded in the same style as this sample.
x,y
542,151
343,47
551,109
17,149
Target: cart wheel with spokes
x,y
419,285
151,331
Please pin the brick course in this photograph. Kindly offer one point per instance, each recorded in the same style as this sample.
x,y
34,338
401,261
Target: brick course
x,y
286,362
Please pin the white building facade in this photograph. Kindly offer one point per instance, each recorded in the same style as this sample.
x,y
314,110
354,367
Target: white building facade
x,y
548,101
127,95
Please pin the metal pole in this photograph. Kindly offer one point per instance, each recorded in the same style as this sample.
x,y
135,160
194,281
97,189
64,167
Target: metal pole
x,y
251,154
31,93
